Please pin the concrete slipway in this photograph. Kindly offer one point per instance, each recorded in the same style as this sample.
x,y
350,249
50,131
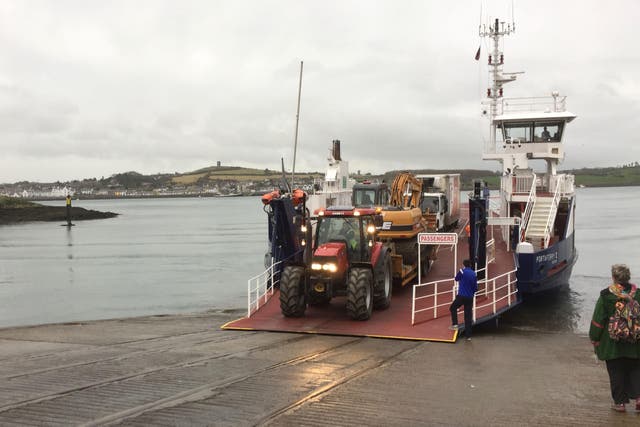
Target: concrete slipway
x,y
185,370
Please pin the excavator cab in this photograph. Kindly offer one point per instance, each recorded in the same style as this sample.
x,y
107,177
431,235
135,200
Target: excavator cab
x,y
367,194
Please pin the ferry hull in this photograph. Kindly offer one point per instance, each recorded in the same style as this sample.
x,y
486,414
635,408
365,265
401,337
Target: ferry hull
x,y
548,269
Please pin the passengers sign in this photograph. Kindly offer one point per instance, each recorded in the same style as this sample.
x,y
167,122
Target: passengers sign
x,y
437,238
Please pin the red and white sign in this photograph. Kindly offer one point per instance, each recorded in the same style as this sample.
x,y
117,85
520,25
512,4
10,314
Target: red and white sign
x,y
437,238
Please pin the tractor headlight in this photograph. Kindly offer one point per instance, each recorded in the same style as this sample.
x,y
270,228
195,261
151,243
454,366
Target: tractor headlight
x,y
328,266
371,229
303,228
331,267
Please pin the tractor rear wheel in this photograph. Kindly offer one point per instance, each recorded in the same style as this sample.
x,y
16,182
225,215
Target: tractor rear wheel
x,y
292,303
384,285
360,294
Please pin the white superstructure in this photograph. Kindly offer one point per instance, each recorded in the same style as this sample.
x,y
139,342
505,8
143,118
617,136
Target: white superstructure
x,y
523,130
336,189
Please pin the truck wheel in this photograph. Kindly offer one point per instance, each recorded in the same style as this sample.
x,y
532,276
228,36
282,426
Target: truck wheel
x,y
292,303
384,285
359,294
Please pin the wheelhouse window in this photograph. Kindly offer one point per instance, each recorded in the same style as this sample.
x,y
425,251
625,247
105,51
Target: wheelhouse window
x,y
516,133
547,132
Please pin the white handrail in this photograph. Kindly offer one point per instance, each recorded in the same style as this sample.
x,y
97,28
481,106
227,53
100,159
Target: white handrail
x,y
492,296
552,212
527,211
260,288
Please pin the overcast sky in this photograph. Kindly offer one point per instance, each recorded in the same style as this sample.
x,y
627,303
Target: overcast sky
x,y
92,88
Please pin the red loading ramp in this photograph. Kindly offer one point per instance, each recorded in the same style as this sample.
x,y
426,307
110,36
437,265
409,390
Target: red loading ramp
x,y
332,319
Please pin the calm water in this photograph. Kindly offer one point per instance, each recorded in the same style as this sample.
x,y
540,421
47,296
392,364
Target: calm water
x,y
188,255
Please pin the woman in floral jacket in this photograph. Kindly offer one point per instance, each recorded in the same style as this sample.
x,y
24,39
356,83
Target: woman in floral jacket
x,y
622,358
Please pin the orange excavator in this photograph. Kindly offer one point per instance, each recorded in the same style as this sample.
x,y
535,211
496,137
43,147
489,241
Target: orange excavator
x,y
402,221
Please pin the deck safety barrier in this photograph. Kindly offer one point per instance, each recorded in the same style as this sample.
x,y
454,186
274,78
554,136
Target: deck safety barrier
x,y
500,293
260,288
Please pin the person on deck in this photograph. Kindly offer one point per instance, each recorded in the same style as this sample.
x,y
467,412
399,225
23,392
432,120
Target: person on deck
x,y
622,358
467,288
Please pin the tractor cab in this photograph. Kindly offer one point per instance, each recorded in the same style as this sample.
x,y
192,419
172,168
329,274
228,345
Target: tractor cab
x,y
368,194
353,229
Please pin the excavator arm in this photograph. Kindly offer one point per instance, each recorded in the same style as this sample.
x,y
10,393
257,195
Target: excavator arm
x,y
406,191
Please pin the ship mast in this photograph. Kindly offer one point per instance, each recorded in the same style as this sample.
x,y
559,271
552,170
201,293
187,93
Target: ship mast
x,y
496,61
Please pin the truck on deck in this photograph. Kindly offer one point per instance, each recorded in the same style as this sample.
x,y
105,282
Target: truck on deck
x,y
440,202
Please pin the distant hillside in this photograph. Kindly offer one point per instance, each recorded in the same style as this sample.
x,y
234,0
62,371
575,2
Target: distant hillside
x,y
627,175
226,173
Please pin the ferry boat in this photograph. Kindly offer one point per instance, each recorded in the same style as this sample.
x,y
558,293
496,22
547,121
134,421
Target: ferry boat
x,y
525,131
522,244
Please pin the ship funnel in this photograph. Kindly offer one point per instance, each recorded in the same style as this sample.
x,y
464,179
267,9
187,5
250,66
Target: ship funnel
x,y
336,149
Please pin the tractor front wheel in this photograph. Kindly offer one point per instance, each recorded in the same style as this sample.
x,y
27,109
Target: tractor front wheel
x,y
360,294
292,303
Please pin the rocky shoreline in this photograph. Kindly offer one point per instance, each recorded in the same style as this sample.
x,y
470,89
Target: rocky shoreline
x,y
16,215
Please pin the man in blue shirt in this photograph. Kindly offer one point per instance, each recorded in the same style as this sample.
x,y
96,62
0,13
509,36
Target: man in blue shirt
x,y
467,287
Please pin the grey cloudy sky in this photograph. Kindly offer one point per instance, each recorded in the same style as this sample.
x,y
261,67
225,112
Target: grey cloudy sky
x,y
91,88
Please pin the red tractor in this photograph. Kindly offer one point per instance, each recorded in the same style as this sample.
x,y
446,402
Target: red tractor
x,y
347,260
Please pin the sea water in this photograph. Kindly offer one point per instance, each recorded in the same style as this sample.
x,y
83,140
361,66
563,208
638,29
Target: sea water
x,y
162,256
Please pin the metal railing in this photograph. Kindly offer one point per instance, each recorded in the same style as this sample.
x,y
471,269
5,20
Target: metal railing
x,y
527,211
518,183
260,288
552,213
434,295
541,103
567,183
495,289
499,292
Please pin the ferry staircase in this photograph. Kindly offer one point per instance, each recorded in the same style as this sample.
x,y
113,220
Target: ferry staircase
x,y
539,226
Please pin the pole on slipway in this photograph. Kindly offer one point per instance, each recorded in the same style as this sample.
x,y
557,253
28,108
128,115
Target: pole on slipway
x,y
295,141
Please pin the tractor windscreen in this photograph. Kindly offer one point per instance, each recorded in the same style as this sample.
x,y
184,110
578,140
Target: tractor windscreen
x,y
346,229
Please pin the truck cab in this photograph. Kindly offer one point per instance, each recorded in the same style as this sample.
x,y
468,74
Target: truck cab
x,y
438,204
